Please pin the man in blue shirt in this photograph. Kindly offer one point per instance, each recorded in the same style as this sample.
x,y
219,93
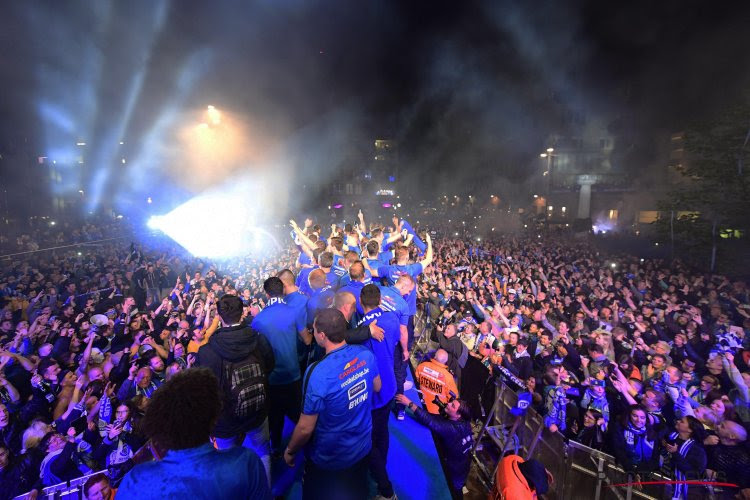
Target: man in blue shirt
x,y
357,275
338,395
391,273
281,325
383,350
297,301
392,300
178,421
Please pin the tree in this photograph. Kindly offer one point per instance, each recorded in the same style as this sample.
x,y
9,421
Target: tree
x,y
714,192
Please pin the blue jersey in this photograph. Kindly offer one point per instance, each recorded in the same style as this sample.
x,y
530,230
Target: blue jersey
x,y
355,288
339,390
339,271
385,258
320,299
346,279
391,275
392,301
298,301
304,285
304,259
280,325
301,281
383,352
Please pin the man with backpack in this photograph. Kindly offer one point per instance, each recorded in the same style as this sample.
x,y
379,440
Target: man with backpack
x,y
241,359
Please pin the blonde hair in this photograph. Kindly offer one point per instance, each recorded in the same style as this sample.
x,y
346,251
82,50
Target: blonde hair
x,y
34,434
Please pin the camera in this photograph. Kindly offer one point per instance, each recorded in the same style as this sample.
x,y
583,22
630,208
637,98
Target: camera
x,y
441,406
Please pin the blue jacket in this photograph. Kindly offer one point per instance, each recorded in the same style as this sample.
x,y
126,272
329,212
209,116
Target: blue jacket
x,y
198,473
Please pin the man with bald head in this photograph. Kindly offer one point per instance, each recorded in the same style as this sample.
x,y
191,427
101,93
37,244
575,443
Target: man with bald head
x,y
354,286
729,460
321,296
435,379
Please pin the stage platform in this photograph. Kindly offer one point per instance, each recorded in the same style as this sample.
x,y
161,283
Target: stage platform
x,y
413,463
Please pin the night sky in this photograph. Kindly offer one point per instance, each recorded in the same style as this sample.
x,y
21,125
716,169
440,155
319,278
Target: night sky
x,y
472,85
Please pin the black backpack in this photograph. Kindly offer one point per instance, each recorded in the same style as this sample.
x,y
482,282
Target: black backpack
x,y
245,388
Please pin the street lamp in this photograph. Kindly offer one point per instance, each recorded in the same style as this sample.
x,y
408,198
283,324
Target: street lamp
x,y
549,155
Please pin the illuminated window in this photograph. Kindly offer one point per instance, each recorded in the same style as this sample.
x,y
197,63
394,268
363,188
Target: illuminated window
x,y
648,216
564,209
613,214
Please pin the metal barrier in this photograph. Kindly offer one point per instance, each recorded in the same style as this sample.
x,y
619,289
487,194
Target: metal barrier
x,y
579,472
69,490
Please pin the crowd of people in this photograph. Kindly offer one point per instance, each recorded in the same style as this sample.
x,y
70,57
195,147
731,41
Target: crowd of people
x,y
118,354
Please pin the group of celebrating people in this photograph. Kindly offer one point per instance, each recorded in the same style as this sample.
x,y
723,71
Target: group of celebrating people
x,y
113,357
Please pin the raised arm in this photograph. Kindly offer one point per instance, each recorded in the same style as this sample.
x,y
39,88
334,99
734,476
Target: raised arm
x,y
306,242
428,254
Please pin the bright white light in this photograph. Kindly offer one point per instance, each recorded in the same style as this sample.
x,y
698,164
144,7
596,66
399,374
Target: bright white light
x,y
398,205
123,161
642,260
543,155
79,253
80,143
549,150
230,212
613,265
479,239
149,200
120,216
536,196
456,234
52,223
121,143
656,244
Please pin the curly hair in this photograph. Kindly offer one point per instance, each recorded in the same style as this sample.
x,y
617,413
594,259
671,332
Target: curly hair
x,y
184,410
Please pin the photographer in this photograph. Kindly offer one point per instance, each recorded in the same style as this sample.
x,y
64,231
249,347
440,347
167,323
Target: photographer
x,y
454,430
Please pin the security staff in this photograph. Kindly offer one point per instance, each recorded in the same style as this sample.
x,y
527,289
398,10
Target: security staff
x,y
455,438
337,403
435,379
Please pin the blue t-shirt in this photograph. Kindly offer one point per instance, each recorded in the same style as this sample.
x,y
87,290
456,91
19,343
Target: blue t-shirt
x,y
301,281
298,301
320,299
233,473
355,288
280,324
304,259
384,352
346,279
339,390
385,257
339,271
392,301
393,272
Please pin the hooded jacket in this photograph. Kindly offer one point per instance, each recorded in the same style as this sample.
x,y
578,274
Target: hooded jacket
x,y
233,344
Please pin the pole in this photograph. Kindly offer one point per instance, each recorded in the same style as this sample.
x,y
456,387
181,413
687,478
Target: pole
x,y
713,246
671,231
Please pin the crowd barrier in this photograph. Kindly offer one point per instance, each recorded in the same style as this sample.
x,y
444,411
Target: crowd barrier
x,y
579,472
69,490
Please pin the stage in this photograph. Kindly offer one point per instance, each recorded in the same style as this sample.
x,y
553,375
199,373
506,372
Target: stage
x,y
413,463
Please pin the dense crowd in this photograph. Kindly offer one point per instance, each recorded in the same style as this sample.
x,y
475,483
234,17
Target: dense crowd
x,y
645,360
